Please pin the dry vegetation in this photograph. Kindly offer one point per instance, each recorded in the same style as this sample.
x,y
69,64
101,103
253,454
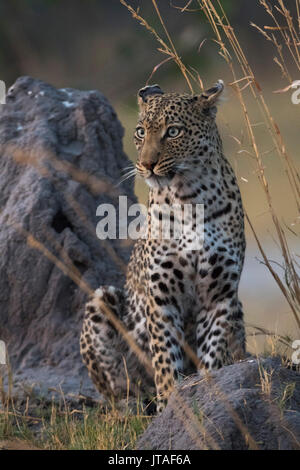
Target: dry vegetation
x,y
285,37
38,423
57,426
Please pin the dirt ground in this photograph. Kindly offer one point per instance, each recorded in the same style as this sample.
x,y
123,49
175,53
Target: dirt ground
x,y
16,444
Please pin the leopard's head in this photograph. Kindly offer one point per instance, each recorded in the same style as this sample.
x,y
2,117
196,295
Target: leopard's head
x,y
174,132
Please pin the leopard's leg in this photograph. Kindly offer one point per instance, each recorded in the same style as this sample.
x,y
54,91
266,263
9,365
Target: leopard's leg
x,y
237,336
166,333
220,334
107,355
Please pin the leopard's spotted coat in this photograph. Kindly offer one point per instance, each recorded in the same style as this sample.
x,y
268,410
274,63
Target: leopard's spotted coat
x,y
172,295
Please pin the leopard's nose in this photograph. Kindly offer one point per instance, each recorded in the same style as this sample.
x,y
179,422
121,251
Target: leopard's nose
x,y
149,165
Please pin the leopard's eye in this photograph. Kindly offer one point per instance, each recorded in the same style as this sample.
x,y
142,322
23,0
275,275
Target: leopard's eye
x,y
140,132
173,132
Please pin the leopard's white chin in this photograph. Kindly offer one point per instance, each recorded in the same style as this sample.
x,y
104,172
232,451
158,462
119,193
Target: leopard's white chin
x,y
155,181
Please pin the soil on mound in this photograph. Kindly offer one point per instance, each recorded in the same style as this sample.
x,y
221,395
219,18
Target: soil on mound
x,y
60,157
254,404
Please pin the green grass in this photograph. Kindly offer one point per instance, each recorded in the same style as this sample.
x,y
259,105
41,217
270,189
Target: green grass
x,y
59,428
287,394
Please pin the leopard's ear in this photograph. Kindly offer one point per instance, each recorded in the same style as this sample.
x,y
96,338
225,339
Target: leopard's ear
x,y
212,95
148,91
209,99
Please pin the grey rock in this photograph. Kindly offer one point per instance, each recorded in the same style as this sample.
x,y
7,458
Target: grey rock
x,y
254,404
61,156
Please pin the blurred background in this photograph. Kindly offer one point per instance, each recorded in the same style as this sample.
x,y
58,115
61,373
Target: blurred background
x,y
96,44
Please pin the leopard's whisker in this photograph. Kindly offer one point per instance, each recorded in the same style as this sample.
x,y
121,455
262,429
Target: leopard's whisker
x,y
130,167
127,176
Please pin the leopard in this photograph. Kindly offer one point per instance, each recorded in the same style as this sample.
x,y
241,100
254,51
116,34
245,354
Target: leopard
x,y
179,306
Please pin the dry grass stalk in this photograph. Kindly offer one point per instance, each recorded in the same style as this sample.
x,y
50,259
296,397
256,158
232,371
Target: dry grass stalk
x,y
235,57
